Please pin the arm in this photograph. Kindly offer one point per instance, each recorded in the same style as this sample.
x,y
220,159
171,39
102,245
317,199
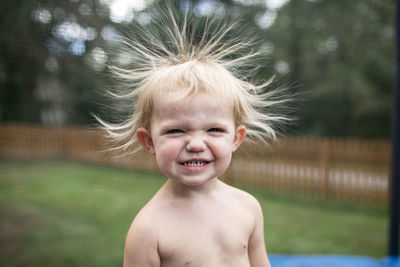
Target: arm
x,y
141,249
257,252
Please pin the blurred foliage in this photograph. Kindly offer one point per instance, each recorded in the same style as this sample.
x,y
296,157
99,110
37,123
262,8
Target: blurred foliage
x,y
337,55
44,50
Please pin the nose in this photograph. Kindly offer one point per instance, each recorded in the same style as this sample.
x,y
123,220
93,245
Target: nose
x,y
195,144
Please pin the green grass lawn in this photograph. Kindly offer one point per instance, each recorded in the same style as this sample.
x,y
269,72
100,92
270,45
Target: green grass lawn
x,y
59,213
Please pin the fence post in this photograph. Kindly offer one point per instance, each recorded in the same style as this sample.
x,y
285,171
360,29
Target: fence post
x,y
324,164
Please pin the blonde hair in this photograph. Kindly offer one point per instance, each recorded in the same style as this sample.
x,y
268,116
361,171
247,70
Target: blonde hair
x,y
186,56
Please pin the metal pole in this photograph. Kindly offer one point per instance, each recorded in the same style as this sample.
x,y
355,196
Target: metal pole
x,y
395,184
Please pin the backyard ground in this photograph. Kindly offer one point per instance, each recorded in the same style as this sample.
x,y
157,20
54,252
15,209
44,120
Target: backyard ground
x,y
60,213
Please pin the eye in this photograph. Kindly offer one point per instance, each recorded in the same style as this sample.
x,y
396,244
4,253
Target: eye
x,y
174,131
216,130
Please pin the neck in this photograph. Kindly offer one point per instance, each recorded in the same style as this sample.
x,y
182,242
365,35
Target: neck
x,y
191,192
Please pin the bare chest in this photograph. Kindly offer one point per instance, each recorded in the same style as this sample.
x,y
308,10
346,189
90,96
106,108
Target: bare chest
x,y
205,240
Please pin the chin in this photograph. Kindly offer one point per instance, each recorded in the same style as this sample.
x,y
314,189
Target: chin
x,y
195,181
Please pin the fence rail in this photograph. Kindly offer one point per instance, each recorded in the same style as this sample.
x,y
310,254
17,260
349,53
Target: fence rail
x,y
331,168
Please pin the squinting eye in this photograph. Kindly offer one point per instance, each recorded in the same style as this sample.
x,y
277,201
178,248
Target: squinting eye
x,y
216,130
174,131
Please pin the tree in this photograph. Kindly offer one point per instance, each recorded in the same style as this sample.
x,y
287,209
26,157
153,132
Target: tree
x,y
339,54
336,54
44,72
53,54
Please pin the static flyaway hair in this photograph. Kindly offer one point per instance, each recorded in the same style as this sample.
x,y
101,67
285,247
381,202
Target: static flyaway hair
x,y
185,55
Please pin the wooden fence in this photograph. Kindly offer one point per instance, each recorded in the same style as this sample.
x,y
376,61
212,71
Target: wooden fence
x,y
331,168
75,143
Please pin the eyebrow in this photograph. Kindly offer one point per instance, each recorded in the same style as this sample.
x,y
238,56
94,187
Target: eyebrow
x,y
179,124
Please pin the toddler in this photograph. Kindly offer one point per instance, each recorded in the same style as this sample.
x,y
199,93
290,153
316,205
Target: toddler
x,y
194,104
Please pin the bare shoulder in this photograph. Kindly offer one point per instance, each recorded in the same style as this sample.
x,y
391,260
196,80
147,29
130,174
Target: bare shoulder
x,y
141,246
251,209
142,222
246,207
248,201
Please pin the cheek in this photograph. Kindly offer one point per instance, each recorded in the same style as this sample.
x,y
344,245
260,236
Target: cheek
x,y
222,149
167,151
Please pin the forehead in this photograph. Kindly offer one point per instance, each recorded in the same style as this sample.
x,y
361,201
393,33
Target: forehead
x,y
206,105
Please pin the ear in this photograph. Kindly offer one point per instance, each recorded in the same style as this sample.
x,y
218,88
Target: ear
x,y
144,137
240,133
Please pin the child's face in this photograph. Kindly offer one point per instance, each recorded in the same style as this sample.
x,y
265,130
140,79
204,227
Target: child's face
x,y
192,140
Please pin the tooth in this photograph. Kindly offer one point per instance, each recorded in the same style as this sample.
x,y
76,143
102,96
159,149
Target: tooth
x,y
195,163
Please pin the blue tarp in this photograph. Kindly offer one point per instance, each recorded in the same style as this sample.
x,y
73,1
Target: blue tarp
x,y
331,261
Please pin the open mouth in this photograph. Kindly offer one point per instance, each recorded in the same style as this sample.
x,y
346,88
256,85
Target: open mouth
x,y
195,163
